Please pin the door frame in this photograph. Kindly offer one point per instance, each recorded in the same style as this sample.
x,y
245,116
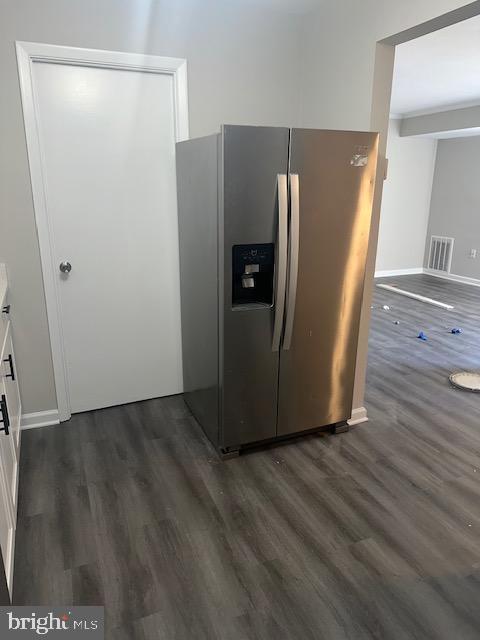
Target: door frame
x,y
27,54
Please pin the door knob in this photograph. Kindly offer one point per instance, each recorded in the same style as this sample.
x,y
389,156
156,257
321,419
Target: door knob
x,y
65,267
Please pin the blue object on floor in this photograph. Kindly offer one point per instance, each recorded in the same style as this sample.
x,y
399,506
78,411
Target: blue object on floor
x,y
457,330
422,336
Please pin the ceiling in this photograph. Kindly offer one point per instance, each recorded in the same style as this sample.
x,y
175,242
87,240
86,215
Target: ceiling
x,y
438,71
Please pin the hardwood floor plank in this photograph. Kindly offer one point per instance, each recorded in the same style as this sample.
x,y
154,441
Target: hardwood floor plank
x,y
374,534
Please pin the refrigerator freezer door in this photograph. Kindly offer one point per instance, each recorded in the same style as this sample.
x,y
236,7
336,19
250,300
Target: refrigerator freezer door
x,y
253,159
336,176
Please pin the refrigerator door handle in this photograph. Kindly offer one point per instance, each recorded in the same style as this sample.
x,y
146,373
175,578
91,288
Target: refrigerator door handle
x,y
282,248
292,258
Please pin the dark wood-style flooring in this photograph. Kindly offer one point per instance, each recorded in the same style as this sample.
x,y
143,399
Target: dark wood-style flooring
x,y
369,534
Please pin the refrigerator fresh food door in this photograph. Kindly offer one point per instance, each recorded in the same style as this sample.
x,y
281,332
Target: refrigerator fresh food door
x,y
254,258
332,176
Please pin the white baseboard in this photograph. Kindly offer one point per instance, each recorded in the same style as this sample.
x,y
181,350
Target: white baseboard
x,y
445,276
451,276
398,272
358,416
48,418
39,419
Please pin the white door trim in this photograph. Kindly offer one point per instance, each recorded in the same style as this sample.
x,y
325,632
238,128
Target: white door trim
x,y
27,54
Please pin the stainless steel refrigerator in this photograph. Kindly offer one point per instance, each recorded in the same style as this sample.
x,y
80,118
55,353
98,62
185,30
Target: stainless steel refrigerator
x,y
273,235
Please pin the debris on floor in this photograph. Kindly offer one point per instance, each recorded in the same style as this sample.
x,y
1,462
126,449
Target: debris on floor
x,y
422,336
415,296
467,380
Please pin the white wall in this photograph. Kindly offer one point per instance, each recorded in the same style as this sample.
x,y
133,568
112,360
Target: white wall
x,y
406,201
455,206
339,48
242,69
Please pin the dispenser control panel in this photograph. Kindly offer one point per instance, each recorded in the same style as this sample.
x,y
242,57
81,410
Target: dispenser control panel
x,y
253,268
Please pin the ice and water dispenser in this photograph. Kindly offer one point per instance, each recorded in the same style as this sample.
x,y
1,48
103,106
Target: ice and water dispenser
x,y
253,268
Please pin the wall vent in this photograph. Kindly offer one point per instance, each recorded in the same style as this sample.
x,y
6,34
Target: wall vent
x,y
440,256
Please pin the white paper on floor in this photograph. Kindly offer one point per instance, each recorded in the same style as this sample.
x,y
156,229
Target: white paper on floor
x,y
415,296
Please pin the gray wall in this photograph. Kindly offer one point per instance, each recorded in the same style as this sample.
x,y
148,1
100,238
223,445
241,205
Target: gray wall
x,y
455,204
239,60
406,201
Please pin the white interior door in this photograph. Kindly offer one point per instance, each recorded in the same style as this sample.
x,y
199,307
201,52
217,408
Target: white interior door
x,y
107,145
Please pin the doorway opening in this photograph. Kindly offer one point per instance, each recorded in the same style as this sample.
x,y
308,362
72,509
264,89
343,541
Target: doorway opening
x,y
428,226
379,121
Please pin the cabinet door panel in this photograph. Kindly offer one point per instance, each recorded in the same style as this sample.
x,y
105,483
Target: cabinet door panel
x,y
8,486
7,533
8,461
9,372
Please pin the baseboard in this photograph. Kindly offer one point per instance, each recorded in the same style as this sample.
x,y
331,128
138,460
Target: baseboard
x,y
454,278
444,276
398,272
39,419
358,416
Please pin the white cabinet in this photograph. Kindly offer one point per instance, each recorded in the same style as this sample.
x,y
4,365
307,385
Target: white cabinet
x,y
7,527
10,413
12,393
10,418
